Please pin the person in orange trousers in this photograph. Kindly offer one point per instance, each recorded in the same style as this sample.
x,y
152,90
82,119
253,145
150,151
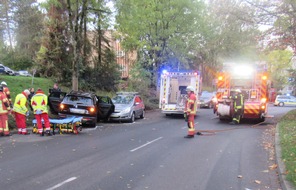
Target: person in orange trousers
x,y
190,111
39,105
4,111
21,111
6,92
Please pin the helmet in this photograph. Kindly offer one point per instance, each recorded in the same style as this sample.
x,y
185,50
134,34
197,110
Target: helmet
x,y
190,88
27,92
238,90
3,83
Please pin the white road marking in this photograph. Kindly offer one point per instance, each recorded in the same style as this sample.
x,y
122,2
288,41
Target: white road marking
x,y
146,144
62,183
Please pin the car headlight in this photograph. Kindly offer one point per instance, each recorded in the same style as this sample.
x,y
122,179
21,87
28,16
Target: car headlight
x,y
127,110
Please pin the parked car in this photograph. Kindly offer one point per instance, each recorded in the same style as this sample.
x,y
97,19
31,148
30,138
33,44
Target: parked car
x,y
2,69
9,71
24,73
206,99
6,70
284,100
86,104
128,106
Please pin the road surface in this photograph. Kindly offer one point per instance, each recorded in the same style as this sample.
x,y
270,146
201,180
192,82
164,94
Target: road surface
x,y
150,153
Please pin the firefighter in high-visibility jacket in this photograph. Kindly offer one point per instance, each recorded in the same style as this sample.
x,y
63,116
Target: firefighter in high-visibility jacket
x,y
21,111
238,104
4,111
39,104
190,111
6,92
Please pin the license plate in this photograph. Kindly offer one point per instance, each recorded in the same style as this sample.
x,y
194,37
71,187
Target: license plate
x,y
80,111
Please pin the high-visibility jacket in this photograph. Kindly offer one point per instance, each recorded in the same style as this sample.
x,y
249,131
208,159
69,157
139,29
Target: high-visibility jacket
x,y
191,104
238,101
20,104
4,104
39,103
7,93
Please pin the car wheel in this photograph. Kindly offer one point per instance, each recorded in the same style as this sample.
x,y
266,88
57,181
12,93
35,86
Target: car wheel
x,y
142,115
132,119
281,104
93,125
106,120
262,119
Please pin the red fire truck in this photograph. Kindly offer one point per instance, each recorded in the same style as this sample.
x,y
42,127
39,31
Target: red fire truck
x,y
252,80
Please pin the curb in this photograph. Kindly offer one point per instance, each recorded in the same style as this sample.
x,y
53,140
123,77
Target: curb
x,y
285,184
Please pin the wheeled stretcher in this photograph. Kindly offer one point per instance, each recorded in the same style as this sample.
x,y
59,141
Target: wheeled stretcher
x,y
64,125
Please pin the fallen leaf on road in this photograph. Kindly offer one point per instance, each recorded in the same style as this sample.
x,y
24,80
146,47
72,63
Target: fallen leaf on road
x,y
265,171
272,167
239,176
257,181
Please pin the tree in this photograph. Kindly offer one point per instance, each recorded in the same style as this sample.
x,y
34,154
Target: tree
x,y
229,34
6,17
161,30
54,56
279,65
74,45
29,23
280,17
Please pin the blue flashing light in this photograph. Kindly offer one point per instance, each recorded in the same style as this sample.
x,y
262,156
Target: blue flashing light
x,y
164,72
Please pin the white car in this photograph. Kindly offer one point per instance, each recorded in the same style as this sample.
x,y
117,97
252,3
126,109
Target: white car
x,y
24,73
283,100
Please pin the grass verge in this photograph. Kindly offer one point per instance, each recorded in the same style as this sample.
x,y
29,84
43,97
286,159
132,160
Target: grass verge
x,y
287,129
17,84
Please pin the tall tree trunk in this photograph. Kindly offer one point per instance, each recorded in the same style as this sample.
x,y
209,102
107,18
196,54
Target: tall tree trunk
x,y
74,44
7,20
99,44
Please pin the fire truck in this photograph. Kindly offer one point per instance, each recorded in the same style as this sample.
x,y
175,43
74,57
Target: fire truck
x,y
252,80
172,98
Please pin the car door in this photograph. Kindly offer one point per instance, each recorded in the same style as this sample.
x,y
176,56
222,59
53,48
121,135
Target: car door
x,y
292,101
138,106
106,107
54,100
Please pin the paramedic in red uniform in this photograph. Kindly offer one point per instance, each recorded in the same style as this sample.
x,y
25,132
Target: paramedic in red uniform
x,y
190,111
4,111
6,92
21,111
39,105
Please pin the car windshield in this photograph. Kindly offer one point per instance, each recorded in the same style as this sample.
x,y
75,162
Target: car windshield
x,y
206,96
78,100
122,99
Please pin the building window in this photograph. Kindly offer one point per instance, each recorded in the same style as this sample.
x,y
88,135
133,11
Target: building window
x,y
120,53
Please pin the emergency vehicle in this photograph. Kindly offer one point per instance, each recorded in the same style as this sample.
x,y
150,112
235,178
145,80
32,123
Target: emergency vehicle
x,y
173,93
252,81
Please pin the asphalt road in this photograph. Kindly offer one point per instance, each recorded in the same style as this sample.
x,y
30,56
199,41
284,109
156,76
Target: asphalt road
x,y
148,154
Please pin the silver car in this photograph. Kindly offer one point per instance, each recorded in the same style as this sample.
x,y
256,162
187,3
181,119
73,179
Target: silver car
x,y
128,106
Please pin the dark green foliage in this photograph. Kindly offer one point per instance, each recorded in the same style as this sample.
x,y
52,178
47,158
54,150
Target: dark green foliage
x,y
104,77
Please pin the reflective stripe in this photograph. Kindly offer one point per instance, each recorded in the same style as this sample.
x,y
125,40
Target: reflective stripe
x,y
191,104
39,102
